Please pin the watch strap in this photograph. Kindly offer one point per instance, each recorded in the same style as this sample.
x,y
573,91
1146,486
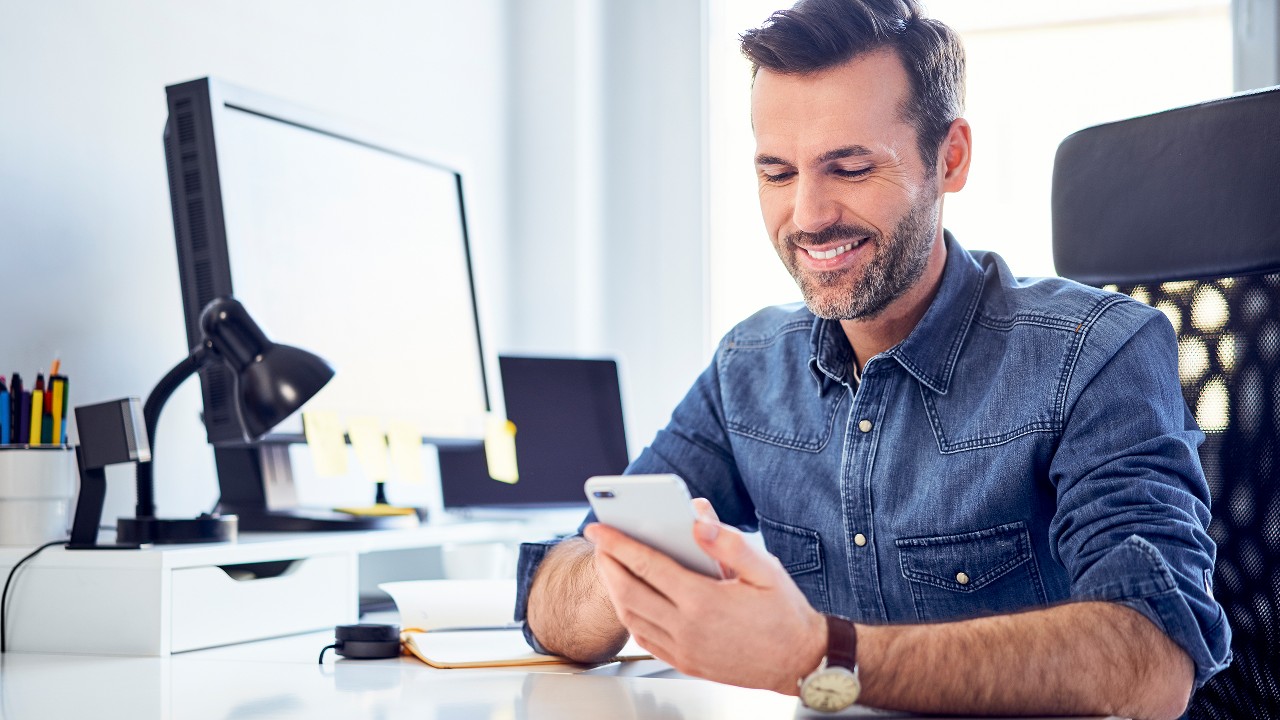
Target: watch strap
x,y
842,643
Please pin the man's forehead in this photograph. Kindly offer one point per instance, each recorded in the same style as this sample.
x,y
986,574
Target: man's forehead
x,y
856,104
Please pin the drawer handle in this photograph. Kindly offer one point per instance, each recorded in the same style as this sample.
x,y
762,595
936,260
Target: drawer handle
x,y
244,572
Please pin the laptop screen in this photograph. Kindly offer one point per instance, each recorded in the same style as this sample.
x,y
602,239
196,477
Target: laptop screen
x,y
569,427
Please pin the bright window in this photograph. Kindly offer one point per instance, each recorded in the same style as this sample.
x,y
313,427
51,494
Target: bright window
x,y
1036,73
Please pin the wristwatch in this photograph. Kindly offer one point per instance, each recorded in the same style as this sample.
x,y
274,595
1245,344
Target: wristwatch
x,y
834,686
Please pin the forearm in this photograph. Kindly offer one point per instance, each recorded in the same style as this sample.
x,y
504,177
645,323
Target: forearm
x,y
1076,659
569,610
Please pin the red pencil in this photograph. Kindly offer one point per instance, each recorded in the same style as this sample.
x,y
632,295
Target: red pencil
x,y
48,397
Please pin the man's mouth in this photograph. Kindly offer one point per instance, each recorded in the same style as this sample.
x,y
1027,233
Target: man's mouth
x,y
833,252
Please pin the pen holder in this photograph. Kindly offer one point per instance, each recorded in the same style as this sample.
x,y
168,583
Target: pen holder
x,y
37,487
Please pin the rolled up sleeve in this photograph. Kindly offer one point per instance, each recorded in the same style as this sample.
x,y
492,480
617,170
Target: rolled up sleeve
x,y
531,556
1133,502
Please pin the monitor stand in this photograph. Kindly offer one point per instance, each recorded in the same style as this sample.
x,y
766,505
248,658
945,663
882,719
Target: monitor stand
x,y
257,486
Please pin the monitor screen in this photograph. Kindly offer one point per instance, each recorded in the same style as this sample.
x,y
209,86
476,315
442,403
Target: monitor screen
x,y
569,427
336,244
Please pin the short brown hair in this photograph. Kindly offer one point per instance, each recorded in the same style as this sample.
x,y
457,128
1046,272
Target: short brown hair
x,y
820,34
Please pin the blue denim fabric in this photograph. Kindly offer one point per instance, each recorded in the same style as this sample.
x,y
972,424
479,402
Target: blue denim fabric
x,y
1026,444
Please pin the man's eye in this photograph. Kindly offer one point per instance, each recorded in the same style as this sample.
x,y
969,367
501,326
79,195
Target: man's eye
x,y
777,177
852,173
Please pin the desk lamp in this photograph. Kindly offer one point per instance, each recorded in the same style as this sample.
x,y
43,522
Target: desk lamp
x,y
271,382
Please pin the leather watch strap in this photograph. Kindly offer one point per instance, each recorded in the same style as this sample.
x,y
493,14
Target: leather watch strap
x,y
842,643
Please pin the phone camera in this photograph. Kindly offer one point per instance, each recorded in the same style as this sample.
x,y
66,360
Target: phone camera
x,y
602,494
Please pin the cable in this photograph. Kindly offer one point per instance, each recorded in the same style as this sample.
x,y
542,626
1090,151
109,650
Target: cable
x,y
4,596
326,648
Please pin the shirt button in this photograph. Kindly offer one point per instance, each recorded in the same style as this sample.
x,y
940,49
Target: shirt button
x,y
859,539
962,578
864,425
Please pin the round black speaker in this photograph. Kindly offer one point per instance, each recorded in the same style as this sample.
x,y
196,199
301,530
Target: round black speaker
x,y
366,641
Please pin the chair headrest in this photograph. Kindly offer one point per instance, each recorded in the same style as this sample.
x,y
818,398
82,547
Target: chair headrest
x,y
1189,193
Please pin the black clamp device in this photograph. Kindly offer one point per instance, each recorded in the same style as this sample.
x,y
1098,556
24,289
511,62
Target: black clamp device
x,y
366,641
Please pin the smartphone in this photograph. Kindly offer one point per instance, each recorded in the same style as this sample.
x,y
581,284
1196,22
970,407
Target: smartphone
x,y
654,509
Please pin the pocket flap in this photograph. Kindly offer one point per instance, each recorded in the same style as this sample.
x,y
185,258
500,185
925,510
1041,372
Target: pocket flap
x,y
965,562
799,549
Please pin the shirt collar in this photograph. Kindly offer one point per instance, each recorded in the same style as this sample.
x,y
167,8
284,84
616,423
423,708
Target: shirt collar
x,y
930,351
831,353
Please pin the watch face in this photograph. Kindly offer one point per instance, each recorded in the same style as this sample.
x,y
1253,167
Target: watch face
x,y
830,689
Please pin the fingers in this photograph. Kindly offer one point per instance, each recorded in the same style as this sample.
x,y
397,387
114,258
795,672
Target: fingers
x,y
727,546
646,614
642,610
651,567
702,508
625,569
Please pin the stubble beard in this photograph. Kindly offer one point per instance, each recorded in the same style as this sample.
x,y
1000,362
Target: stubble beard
x,y
898,263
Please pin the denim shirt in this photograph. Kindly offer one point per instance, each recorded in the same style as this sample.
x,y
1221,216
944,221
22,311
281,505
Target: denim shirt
x,y
1026,444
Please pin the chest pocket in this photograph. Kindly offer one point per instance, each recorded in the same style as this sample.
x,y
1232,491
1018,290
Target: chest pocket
x,y
977,573
771,396
800,552
1008,384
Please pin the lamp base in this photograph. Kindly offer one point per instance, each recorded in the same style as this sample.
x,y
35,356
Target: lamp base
x,y
204,529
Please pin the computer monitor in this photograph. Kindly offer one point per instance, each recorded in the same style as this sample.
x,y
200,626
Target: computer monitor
x,y
569,427
336,242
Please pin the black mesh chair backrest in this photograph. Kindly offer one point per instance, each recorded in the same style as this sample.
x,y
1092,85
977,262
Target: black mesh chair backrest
x,y
1181,210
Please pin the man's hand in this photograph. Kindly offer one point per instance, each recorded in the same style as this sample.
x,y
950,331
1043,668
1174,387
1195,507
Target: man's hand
x,y
755,629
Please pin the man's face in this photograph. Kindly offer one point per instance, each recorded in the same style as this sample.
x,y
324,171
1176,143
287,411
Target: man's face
x,y
850,206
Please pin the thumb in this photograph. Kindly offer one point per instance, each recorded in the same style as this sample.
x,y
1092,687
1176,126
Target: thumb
x,y
703,508
727,546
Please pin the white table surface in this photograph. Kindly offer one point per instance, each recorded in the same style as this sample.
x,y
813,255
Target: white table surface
x,y
280,678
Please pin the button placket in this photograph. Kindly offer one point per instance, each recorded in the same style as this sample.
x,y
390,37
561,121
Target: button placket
x,y
856,473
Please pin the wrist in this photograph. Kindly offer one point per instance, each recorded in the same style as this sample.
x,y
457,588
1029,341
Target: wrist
x,y
808,655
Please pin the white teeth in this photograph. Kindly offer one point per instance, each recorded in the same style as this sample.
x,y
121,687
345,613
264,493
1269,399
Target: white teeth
x,y
834,252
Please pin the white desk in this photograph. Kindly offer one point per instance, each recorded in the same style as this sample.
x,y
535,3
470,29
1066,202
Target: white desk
x,y
281,679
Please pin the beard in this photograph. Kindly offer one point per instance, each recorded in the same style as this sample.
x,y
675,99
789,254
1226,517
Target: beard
x,y
898,263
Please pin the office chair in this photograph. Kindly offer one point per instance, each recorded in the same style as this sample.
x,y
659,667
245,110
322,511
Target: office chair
x,y
1181,210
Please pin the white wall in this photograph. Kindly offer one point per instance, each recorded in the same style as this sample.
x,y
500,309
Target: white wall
x,y
577,125
83,192
607,216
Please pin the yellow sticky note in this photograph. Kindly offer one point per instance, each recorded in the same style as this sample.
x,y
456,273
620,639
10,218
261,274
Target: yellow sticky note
x,y
370,446
406,451
325,441
500,448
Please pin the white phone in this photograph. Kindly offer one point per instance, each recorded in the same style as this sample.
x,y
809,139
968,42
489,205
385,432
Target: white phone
x,y
654,509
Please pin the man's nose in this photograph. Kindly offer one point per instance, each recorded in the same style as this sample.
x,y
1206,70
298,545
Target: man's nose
x,y
815,206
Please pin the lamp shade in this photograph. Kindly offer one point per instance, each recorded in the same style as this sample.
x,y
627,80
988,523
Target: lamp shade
x,y
276,384
272,380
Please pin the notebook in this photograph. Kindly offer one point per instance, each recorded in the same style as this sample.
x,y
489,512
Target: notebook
x,y
433,613
487,648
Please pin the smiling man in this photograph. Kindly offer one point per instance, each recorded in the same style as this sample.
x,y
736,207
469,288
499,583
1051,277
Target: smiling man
x,y
979,493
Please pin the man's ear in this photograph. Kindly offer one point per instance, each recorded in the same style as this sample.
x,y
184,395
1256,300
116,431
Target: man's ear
x,y
953,156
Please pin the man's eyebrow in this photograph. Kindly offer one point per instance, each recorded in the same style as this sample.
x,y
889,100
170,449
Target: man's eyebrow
x,y
845,152
837,154
770,160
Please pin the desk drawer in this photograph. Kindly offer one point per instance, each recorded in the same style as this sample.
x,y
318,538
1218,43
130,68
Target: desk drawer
x,y
218,605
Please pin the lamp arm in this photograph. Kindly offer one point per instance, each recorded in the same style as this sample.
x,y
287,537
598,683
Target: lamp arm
x,y
146,507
